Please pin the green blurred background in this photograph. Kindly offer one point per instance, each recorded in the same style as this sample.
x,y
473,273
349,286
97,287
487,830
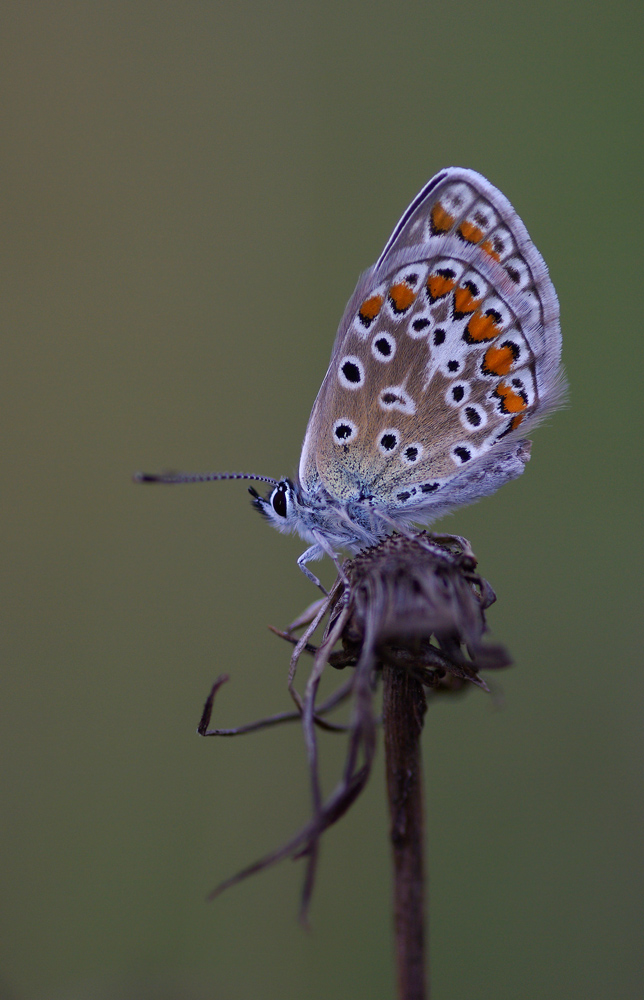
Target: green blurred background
x,y
189,193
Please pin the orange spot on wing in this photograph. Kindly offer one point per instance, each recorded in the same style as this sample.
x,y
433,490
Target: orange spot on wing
x,y
511,401
469,232
441,220
401,296
498,360
514,423
371,307
438,285
464,301
489,249
481,328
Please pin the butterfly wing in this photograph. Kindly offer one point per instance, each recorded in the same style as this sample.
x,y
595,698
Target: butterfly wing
x,y
449,349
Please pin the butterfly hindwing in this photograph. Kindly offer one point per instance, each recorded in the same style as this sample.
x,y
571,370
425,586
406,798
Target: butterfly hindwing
x,y
448,350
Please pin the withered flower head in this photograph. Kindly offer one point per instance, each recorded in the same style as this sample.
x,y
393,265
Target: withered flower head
x,y
419,604
413,603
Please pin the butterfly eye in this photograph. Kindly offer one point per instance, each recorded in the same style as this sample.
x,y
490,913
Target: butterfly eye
x,y
278,500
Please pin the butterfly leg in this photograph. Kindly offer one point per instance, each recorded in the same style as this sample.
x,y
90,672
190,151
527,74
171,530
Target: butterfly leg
x,y
444,539
314,552
324,545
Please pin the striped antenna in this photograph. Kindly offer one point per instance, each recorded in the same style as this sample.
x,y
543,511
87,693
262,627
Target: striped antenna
x,y
196,477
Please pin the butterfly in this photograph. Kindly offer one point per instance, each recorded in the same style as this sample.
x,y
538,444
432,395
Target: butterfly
x,y
448,353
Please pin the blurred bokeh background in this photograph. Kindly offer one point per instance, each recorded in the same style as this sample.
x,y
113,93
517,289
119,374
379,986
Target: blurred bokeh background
x,y
189,193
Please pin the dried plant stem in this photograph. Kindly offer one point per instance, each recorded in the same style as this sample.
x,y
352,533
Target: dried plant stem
x,y
404,706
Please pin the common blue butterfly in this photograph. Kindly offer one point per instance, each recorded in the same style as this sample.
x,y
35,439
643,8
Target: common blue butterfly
x,y
448,353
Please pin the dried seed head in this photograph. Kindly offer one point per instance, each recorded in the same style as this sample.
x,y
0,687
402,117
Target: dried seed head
x,y
414,603
422,603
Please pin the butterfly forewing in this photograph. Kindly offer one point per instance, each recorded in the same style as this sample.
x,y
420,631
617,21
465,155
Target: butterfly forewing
x,y
448,349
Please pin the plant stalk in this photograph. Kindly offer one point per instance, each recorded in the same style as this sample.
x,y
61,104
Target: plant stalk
x,y
404,707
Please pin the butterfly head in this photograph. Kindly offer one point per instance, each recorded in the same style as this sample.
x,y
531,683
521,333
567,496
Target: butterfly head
x,y
290,507
280,506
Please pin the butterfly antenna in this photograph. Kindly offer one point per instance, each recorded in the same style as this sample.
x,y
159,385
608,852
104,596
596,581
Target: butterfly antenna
x,y
196,477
